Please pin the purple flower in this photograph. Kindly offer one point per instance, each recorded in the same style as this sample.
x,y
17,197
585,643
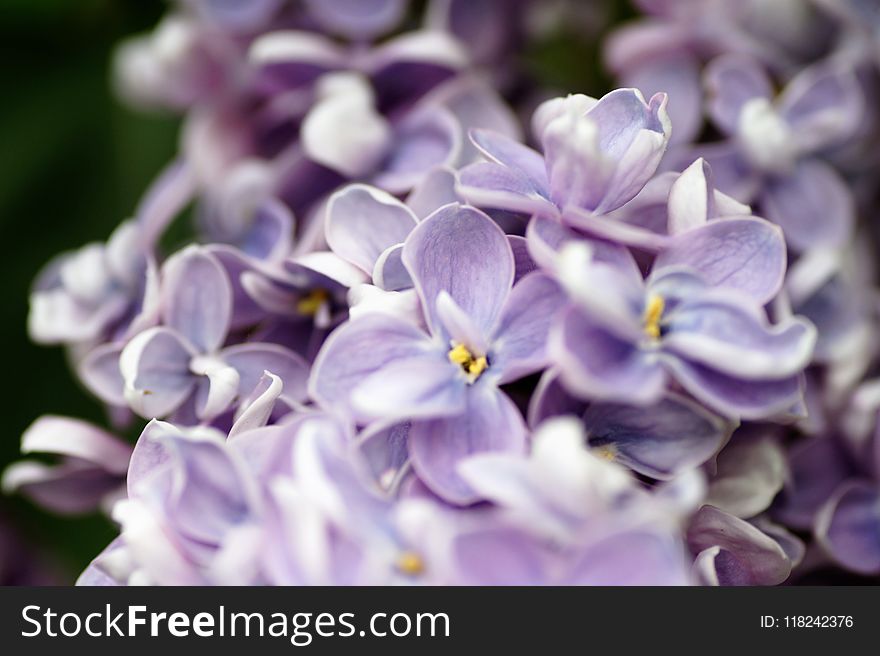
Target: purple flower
x,y
184,359
662,440
89,475
848,526
597,156
664,50
731,551
566,516
481,332
97,292
625,339
771,157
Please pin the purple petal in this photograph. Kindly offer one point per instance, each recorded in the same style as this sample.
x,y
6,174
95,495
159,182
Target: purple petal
x,y
734,397
386,451
499,556
551,399
436,189
848,526
818,467
732,81
218,390
429,386
390,273
254,410
406,67
155,368
362,222
99,372
358,349
745,555
460,250
288,59
425,139
519,345
594,364
476,105
487,184
660,440
523,262
736,339
678,76
824,105
731,172
489,423
745,254
513,155
253,359
149,455
210,493
77,439
166,197
197,300
693,199
357,19
459,326
813,206
637,557
71,488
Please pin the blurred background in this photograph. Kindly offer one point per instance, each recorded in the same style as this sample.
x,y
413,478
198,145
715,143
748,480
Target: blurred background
x,y
73,163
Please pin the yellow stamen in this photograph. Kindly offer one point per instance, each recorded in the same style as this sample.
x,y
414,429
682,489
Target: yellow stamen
x,y
653,312
606,452
472,366
410,563
312,302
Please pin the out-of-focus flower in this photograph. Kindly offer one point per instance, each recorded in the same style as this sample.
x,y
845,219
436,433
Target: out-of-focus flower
x,y
771,157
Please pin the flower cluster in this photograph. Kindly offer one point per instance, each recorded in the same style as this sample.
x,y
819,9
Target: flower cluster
x,y
415,340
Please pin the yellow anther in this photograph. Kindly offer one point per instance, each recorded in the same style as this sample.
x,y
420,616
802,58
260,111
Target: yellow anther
x,y
312,302
606,452
410,563
472,366
460,355
653,313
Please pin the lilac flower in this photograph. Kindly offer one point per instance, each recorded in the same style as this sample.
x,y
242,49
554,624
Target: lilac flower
x,y
90,474
848,526
662,440
598,154
184,360
556,522
771,155
92,294
664,50
481,332
624,338
367,227
731,551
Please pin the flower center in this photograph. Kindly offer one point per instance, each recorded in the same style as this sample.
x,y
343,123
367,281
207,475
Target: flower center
x,y
471,365
653,313
312,302
606,452
410,563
